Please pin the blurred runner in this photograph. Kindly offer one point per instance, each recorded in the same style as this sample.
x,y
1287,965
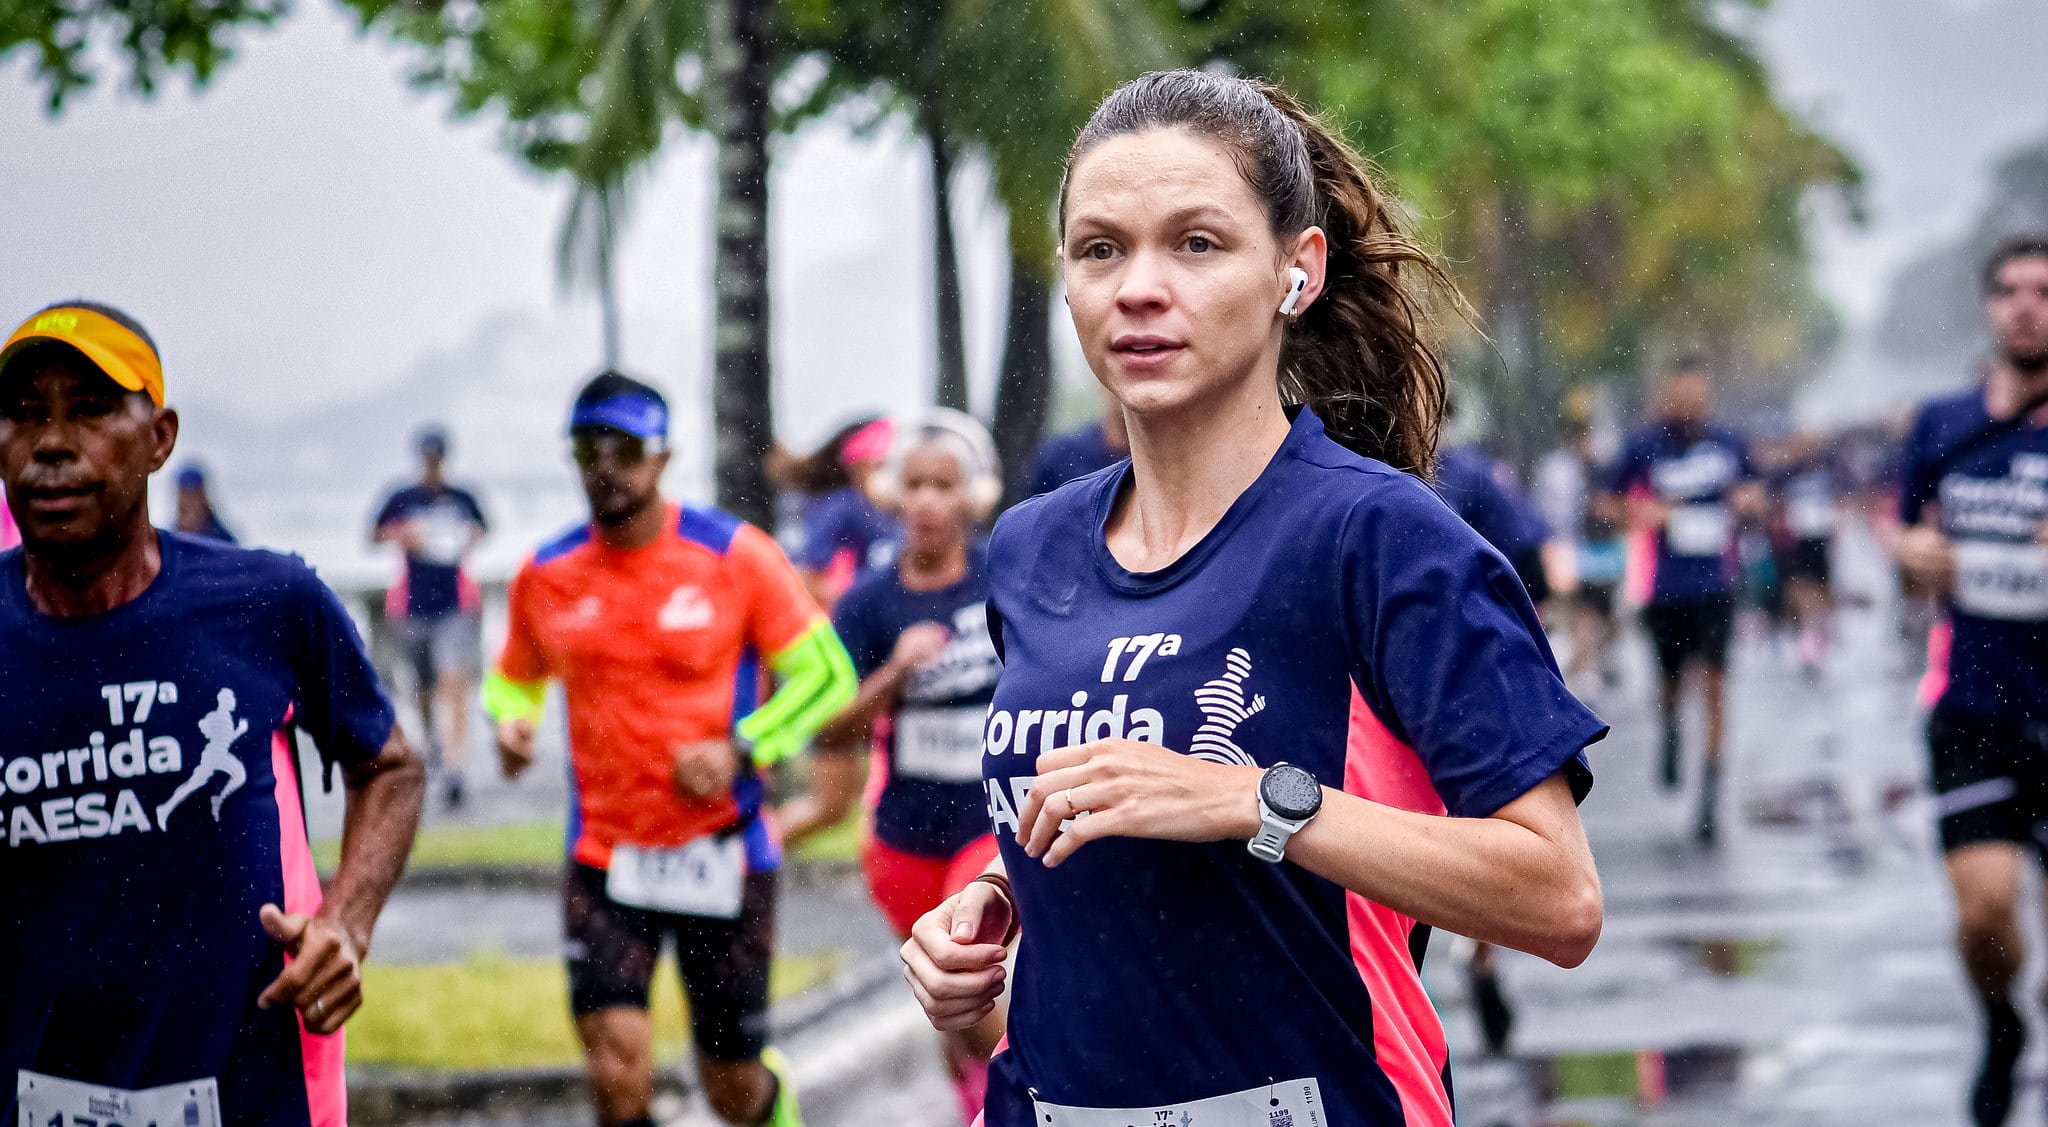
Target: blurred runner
x,y
1247,676
1080,452
435,608
1806,489
1581,521
196,514
918,633
840,533
168,954
1975,505
1480,489
657,619
1688,482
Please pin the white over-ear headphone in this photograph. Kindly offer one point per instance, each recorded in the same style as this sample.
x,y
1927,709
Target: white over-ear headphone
x,y
1297,281
968,439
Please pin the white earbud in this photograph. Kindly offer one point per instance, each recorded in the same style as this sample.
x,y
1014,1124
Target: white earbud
x,y
1297,282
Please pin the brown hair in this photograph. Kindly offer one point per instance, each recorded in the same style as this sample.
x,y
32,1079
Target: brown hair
x,y
1365,356
2012,250
822,470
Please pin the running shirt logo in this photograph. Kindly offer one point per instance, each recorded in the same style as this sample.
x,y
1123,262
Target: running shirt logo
x,y
221,729
1223,709
687,609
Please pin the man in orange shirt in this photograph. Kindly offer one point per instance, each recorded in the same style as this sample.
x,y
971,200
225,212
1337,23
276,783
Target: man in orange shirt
x,y
657,619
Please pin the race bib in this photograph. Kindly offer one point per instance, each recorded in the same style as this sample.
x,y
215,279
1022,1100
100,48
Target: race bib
x,y
1810,518
1294,1103
1698,530
940,744
50,1101
704,878
2003,580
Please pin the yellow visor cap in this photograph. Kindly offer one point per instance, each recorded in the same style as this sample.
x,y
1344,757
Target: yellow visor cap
x,y
125,357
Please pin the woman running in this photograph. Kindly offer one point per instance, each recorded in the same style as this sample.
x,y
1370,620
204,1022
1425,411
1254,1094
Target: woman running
x,y
840,533
1268,709
918,634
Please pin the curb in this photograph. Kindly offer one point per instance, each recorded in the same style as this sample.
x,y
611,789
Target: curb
x,y
385,1097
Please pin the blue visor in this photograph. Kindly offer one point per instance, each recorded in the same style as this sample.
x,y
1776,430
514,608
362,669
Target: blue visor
x,y
637,415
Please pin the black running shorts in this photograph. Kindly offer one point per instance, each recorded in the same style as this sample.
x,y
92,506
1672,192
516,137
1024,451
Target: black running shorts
x,y
1804,559
1691,630
613,948
1990,779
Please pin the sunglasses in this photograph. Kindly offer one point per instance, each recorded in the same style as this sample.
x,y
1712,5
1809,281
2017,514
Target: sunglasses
x,y
600,444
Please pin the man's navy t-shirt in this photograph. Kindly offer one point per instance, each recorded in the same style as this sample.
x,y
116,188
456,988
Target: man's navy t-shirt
x,y
448,518
933,804
1339,618
151,807
1991,485
1468,480
1694,473
1074,454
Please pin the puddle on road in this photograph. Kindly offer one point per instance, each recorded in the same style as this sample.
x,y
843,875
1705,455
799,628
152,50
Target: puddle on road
x,y
1648,1077
1729,957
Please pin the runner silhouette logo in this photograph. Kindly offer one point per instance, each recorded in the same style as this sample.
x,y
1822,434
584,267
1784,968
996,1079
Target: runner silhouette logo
x,y
687,609
221,729
1224,707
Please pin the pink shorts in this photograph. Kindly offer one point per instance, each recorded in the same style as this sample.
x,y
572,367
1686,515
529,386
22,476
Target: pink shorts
x,y
907,885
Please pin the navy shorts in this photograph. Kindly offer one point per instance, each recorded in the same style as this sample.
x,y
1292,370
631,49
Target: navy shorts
x,y
1990,779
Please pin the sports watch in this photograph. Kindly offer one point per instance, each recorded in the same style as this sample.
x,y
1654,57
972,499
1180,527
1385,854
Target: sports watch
x,y
1288,798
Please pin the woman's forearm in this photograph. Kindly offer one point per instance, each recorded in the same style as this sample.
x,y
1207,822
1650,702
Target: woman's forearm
x,y
1523,878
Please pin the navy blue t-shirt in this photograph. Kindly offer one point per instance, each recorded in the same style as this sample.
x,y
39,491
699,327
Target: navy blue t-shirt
x,y
1991,484
933,804
151,808
1469,481
1694,473
844,531
1341,618
1074,454
448,518
1808,490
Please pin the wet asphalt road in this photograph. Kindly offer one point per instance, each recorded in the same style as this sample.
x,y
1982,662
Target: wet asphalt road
x,y
1798,975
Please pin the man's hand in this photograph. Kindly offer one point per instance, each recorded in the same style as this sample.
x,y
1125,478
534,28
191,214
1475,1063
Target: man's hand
x,y
1928,556
323,980
515,746
704,769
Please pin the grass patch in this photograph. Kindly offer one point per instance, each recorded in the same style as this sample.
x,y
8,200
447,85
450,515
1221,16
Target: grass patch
x,y
491,1011
517,843
540,843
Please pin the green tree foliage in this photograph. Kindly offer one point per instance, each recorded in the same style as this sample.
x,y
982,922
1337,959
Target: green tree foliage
x,y
152,37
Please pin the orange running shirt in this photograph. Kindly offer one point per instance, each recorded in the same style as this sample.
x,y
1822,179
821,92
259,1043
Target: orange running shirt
x,y
655,647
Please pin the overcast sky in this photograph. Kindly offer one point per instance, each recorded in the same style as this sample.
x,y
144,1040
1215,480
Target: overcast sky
x,y
310,230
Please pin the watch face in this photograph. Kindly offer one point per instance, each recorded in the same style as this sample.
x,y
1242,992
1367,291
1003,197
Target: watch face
x,y
1291,792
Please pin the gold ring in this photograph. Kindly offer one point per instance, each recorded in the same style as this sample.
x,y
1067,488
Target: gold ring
x,y
1073,808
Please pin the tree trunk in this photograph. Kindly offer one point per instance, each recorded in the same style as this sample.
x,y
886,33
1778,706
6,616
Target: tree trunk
x,y
952,381
608,292
1517,320
743,411
1025,388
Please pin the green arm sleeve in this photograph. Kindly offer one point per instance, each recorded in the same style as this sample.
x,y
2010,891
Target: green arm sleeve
x,y
817,682
506,699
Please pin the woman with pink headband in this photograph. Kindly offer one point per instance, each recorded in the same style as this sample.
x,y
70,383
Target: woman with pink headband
x,y
842,533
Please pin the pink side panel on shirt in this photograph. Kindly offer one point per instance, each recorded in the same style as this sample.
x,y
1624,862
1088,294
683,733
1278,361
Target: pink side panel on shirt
x,y
1407,1035
326,1084
1934,682
1640,580
9,535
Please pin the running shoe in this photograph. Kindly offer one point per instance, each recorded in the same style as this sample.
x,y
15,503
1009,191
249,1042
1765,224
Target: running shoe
x,y
1709,828
2005,1038
784,1114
